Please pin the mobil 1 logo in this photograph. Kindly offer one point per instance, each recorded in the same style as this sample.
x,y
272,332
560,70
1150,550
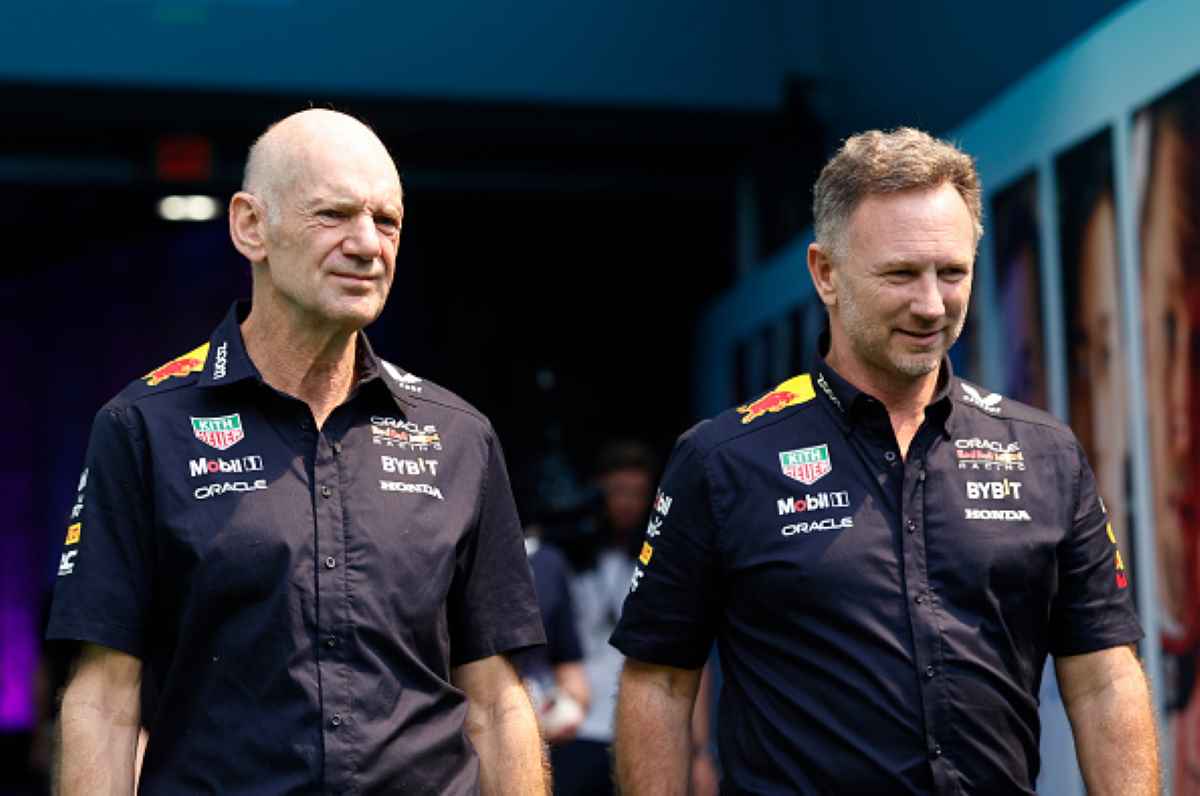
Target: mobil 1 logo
x,y
217,465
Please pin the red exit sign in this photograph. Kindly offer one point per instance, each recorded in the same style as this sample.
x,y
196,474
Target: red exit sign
x,y
183,158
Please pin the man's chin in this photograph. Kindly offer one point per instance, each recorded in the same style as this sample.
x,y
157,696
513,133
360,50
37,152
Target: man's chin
x,y
355,314
918,366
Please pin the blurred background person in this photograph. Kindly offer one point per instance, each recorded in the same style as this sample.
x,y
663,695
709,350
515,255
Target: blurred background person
x,y
625,475
554,674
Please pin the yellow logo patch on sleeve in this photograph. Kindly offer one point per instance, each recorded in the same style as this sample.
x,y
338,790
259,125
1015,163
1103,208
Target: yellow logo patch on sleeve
x,y
191,362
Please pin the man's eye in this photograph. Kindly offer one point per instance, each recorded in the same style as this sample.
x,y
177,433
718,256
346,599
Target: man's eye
x,y
953,274
331,213
387,222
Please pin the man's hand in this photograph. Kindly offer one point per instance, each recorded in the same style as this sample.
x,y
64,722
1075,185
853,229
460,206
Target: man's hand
x,y
570,680
503,728
1108,703
99,724
653,733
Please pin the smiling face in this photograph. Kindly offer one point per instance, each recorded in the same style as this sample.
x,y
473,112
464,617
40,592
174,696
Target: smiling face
x,y
331,225
898,297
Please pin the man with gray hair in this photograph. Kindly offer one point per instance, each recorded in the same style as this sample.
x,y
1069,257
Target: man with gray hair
x,y
297,566
883,553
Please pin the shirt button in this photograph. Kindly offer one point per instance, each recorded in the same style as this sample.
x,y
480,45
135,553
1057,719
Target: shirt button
x,y
920,598
336,721
326,491
890,456
337,448
936,751
330,562
331,642
930,672
911,525
921,475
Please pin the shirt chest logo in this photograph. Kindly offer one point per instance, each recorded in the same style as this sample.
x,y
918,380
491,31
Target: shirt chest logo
x,y
994,490
221,433
817,501
405,435
806,465
986,454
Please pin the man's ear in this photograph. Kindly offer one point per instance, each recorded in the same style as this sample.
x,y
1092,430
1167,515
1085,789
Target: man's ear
x,y
820,268
248,226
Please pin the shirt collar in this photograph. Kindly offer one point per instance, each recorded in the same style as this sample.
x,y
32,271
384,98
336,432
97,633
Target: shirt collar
x,y
371,368
849,403
227,361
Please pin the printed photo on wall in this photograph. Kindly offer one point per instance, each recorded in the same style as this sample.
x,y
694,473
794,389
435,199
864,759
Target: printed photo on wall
x,y
1165,165
1097,374
966,356
1018,291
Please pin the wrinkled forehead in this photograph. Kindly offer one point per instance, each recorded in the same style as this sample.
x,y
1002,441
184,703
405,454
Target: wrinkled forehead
x,y
362,172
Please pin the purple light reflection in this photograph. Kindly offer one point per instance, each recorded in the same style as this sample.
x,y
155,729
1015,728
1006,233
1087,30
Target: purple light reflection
x,y
20,591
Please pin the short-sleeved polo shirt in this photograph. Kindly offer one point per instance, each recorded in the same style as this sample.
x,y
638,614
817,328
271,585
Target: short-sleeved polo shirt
x,y
882,620
298,596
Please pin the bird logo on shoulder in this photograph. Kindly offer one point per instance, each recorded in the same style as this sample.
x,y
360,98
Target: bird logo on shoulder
x,y
796,390
989,403
405,381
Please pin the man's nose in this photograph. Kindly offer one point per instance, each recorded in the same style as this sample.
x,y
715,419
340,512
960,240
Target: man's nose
x,y
928,303
363,240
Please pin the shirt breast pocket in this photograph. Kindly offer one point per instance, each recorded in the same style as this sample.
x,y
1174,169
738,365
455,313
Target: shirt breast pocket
x,y
990,537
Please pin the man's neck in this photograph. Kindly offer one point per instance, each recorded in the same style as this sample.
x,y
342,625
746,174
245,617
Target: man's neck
x,y
904,399
316,365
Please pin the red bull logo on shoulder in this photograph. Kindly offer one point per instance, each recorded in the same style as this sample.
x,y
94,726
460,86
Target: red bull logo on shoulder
x,y
191,362
796,390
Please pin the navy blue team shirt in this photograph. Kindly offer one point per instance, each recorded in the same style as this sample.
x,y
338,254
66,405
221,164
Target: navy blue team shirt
x,y
298,597
882,623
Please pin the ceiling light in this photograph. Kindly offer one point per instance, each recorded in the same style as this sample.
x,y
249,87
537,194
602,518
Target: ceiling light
x,y
188,208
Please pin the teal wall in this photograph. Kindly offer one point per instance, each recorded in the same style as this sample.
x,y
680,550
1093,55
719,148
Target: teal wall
x,y
711,53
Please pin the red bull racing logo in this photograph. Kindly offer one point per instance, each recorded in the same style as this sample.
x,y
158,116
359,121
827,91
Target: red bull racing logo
x,y
796,390
191,362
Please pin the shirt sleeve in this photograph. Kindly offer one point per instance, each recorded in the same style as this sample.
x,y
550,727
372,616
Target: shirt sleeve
x,y
668,616
1093,608
104,577
492,606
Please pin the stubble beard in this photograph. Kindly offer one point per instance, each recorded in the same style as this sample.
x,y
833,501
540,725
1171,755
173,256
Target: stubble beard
x,y
871,342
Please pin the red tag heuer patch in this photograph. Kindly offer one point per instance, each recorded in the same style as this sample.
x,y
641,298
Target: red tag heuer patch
x,y
219,432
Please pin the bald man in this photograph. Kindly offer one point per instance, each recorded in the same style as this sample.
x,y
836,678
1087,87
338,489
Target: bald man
x,y
296,565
